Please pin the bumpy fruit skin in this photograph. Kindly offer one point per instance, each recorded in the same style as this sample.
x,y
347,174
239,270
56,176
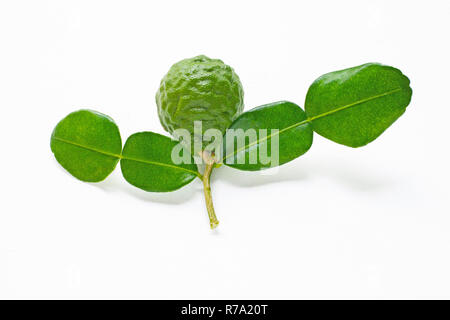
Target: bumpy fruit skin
x,y
199,89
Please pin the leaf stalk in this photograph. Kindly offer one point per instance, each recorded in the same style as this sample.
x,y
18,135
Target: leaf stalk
x,y
209,166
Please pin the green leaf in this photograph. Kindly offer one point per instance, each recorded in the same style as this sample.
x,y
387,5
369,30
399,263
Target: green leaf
x,y
294,136
87,144
147,163
354,106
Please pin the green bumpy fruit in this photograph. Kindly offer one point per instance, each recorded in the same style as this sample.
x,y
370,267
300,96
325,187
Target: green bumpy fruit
x,y
199,89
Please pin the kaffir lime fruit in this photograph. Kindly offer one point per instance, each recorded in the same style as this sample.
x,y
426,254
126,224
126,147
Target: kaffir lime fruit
x,y
199,89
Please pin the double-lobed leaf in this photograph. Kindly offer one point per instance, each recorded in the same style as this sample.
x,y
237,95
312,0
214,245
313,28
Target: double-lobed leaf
x,y
351,107
147,163
354,106
87,144
292,132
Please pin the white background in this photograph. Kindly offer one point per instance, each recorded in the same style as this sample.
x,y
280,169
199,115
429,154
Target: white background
x,y
338,222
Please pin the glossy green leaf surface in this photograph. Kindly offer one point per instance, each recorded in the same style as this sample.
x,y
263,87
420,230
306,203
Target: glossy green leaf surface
x,y
294,136
87,144
354,106
147,163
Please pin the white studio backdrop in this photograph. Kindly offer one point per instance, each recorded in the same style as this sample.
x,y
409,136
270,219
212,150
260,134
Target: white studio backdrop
x,y
337,222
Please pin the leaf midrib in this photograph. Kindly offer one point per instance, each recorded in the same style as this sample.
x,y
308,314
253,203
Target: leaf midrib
x,y
120,156
307,120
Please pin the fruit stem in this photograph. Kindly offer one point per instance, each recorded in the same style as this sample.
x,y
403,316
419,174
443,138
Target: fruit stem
x,y
209,166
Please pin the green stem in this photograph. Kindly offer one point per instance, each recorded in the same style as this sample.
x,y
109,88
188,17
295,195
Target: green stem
x,y
207,190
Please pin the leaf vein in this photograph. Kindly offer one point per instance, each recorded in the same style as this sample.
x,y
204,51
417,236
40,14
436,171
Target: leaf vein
x,y
312,119
119,156
114,155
